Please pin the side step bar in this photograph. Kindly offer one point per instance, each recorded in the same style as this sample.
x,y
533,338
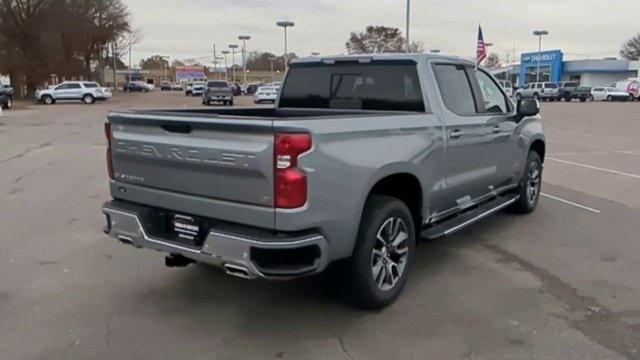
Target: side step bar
x,y
465,219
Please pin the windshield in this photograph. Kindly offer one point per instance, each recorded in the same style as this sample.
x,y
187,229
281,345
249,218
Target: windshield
x,y
380,85
550,86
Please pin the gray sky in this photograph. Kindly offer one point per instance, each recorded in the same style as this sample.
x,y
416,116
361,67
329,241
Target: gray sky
x,y
188,28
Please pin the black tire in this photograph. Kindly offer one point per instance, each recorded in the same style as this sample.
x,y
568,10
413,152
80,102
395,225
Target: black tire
x,y
7,105
531,181
567,97
609,98
230,103
88,99
582,99
364,289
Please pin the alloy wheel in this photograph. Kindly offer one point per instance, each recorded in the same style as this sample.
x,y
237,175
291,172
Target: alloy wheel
x,y
390,253
533,182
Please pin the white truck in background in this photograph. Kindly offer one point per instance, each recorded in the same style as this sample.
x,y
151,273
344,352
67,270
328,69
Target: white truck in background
x,y
630,86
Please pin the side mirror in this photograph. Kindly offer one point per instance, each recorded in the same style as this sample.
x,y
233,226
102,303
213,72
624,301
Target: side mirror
x,y
528,107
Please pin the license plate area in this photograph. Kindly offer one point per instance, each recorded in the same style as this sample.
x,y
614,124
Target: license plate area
x,y
186,228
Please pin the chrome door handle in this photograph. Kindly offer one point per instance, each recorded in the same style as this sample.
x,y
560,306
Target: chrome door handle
x,y
496,129
456,134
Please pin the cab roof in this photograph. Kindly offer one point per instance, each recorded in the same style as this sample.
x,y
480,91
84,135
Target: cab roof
x,y
365,58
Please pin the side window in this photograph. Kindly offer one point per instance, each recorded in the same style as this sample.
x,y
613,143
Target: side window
x,y
73,86
494,100
62,87
455,89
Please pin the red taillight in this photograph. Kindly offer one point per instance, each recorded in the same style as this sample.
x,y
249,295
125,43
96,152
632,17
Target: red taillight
x,y
290,182
108,134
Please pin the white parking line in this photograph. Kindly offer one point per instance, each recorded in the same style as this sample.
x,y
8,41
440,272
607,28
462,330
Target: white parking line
x,y
616,172
595,211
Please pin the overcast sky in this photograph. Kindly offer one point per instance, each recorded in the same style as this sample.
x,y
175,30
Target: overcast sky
x,y
188,28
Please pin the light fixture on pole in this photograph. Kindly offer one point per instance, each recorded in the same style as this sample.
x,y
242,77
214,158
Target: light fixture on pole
x,y
233,48
244,39
226,67
539,34
285,25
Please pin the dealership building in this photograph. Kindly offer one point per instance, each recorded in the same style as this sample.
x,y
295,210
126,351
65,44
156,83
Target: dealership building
x,y
553,67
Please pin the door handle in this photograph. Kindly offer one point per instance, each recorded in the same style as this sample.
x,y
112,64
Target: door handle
x,y
456,134
496,129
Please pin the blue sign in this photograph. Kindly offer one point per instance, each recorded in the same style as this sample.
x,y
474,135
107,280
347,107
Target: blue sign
x,y
550,64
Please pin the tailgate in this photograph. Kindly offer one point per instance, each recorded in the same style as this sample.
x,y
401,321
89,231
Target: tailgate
x,y
209,157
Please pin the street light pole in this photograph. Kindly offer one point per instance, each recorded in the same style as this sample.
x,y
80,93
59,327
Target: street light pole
x,y
226,67
244,39
408,25
285,25
271,60
233,48
539,34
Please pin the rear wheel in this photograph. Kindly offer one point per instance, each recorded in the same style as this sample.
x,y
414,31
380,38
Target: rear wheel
x,y
383,254
609,98
530,185
9,104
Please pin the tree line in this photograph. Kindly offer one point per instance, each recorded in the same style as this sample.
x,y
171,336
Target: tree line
x,y
68,38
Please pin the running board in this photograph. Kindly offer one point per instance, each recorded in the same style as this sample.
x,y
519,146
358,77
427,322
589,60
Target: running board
x,y
465,219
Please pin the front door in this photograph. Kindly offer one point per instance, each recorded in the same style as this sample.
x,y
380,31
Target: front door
x,y
470,167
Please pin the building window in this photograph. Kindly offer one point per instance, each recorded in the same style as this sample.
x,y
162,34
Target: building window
x,y
531,73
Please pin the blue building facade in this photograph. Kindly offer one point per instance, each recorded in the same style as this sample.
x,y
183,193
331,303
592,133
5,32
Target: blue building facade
x,y
551,63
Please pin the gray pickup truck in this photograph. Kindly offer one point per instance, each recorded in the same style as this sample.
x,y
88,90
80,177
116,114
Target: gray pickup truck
x,y
361,156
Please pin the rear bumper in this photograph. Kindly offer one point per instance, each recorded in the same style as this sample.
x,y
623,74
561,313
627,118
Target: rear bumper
x,y
241,250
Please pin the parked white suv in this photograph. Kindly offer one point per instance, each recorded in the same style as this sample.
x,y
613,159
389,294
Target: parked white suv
x,y
539,90
86,91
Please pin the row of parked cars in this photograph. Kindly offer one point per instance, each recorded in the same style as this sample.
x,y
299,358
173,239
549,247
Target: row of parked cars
x,y
569,90
223,92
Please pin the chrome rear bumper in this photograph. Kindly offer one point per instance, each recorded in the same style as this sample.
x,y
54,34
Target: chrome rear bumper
x,y
229,247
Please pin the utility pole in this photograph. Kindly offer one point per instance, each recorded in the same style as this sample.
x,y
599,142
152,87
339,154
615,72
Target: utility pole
x,y
215,62
226,67
233,48
244,39
115,79
408,25
271,60
285,25
539,34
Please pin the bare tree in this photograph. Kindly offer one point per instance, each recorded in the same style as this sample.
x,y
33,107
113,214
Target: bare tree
x,y
631,49
380,39
493,60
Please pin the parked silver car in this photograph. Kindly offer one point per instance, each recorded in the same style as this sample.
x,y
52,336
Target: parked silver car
x,y
86,91
538,91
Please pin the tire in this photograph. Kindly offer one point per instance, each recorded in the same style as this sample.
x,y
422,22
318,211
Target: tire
x,y
127,90
384,218
88,99
590,98
9,103
230,103
47,100
609,98
536,96
582,99
530,185
567,97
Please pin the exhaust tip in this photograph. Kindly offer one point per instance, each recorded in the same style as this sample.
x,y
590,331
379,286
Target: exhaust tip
x,y
235,270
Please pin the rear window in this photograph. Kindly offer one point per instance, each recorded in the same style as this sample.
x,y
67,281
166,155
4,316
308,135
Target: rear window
x,y
570,84
455,89
216,84
550,86
385,85
90,85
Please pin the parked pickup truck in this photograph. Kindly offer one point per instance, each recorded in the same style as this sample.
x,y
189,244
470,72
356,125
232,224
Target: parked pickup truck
x,y
361,156
569,90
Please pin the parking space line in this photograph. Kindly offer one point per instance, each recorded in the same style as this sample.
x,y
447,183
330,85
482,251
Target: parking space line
x,y
580,206
616,172
583,207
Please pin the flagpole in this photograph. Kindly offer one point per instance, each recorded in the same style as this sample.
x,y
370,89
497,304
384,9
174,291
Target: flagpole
x,y
477,62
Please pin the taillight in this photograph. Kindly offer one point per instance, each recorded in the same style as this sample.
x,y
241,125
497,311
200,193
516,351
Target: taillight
x,y
290,181
109,135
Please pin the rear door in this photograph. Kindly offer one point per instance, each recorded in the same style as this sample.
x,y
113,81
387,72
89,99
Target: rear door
x,y
229,160
470,167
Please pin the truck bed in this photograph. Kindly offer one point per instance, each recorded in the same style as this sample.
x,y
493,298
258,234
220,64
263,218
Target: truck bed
x,y
261,113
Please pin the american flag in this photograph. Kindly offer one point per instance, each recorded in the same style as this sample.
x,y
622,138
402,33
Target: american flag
x,y
481,50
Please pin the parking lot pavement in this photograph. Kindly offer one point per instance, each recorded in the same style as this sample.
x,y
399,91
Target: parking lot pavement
x,y
559,283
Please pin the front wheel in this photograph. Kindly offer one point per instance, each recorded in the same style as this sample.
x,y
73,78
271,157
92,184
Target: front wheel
x,y
383,253
609,98
9,104
47,100
88,99
530,185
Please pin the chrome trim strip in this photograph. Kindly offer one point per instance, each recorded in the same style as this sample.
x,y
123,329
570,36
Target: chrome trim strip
x,y
479,217
446,213
255,242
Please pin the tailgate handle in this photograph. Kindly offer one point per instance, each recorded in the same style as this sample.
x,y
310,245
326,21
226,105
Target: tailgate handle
x,y
177,128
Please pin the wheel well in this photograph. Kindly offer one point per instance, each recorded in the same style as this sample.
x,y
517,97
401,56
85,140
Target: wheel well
x,y
405,187
539,147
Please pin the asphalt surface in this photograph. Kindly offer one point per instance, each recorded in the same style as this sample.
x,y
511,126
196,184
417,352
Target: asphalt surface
x,y
561,283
